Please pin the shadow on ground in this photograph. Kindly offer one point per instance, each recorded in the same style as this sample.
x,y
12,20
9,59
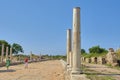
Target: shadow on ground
x,y
102,74
10,70
96,67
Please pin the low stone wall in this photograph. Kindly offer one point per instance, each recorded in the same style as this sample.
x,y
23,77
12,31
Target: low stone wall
x,y
110,58
83,59
64,64
66,73
88,60
101,60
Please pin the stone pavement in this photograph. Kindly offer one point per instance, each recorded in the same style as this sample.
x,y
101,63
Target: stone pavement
x,y
46,70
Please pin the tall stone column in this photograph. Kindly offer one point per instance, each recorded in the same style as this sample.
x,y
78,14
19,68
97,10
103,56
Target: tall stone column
x,y
6,53
2,53
31,56
11,54
40,57
71,58
68,45
76,42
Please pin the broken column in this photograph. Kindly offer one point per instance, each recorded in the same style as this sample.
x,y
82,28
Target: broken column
x,y
2,53
6,53
76,69
68,45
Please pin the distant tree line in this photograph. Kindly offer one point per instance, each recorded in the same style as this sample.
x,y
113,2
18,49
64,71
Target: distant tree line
x,y
94,51
54,57
16,48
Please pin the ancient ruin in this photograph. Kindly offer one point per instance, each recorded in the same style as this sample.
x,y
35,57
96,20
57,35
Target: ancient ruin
x,y
88,60
2,53
11,54
6,53
111,57
76,69
101,60
69,46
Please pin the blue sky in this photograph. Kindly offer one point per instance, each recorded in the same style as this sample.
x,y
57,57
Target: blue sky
x,y
40,25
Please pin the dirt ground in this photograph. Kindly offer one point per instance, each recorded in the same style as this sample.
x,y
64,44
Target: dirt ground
x,y
104,70
46,70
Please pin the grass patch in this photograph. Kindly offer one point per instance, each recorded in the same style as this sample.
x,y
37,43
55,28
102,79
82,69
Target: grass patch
x,y
95,77
94,55
116,67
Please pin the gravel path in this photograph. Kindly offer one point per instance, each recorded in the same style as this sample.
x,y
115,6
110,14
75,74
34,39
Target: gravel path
x,y
47,70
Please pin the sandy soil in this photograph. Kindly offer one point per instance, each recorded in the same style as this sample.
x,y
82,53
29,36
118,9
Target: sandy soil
x,y
47,70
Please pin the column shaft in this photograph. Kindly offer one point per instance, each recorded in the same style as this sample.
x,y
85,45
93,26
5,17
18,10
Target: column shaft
x,y
6,53
76,42
31,56
68,45
71,59
2,53
11,54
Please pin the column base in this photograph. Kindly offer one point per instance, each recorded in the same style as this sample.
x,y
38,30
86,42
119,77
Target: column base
x,y
76,71
69,68
79,77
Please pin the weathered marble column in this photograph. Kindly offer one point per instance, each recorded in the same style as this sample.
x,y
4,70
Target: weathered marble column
x,y
68,45
71,58
6,53
11,54
40,57
2,53
31,56
76,42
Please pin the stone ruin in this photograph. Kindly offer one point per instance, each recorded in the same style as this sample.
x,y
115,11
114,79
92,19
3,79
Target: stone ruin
x,y
88,60
94,60
101,60
83,59
111,57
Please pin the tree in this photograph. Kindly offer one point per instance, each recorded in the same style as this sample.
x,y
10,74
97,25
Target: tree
x,y
17,48
97,49
83,51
